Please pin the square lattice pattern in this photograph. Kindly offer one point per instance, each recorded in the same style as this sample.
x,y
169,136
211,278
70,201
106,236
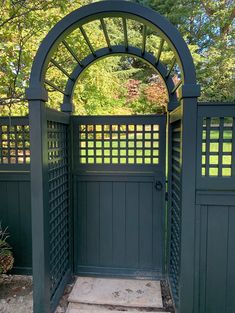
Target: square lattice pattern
x,y
14,144
218,146
119,144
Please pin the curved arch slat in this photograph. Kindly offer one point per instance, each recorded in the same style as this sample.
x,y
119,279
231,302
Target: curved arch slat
x,y
117,50
110,9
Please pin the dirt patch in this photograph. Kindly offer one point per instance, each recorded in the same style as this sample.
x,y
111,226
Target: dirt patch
x,y
16,295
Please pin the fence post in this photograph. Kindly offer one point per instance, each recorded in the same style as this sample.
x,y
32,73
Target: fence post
x,y
188,181
39,203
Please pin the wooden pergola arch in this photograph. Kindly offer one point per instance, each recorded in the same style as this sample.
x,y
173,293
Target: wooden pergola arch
x,y
99,11
46,123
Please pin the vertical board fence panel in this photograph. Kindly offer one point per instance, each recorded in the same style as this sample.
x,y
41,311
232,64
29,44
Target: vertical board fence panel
x,y
213,271
215,198
15,206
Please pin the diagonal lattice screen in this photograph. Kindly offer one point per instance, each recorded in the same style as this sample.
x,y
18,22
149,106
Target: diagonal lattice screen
x,y
175,210
58,202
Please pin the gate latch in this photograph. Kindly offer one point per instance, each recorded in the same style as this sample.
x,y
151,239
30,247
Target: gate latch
x,y
158,185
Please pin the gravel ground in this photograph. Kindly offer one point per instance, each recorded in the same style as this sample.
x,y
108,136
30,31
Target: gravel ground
x,y
16,295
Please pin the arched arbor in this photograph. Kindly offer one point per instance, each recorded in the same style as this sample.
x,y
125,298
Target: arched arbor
x,y
51,146
73,25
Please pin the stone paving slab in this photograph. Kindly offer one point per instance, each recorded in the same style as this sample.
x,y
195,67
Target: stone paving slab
x,y
75,308
117,292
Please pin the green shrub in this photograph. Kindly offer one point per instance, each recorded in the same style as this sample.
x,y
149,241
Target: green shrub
x,y
6,257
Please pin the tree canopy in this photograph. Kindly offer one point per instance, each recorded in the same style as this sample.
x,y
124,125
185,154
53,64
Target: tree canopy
x,y
118,85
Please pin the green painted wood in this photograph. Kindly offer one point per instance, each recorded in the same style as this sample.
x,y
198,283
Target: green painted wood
x,y
217,245
106,224
50,205
216,263
216,197
146,218
119,223
120,226
174,203
218,182
230,303
25,225
197,258
132,225
203,258
117,201
188,183
214,278
93,223
15,213
80,222
40,207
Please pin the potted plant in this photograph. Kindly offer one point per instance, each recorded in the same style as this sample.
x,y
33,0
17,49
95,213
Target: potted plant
x,y
6,257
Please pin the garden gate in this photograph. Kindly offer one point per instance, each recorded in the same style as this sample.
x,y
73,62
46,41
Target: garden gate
x,y
96,171
119,185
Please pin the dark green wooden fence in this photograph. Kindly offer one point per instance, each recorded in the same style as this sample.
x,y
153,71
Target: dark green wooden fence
x,y
215,209
15,208
212,245
212,273
15,199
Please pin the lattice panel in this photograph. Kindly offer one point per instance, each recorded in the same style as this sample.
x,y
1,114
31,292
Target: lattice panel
x,y
119,144
14,141
175,237
58,202
217,146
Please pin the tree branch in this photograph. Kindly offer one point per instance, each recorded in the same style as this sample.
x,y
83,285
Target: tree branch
x,y
225,28
16,14
10,100
207,8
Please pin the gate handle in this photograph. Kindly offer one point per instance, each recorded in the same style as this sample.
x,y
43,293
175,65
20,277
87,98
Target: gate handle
x,y
158,185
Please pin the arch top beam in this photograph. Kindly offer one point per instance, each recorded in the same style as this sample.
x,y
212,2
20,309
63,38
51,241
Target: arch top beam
x,y
100,10
116,50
